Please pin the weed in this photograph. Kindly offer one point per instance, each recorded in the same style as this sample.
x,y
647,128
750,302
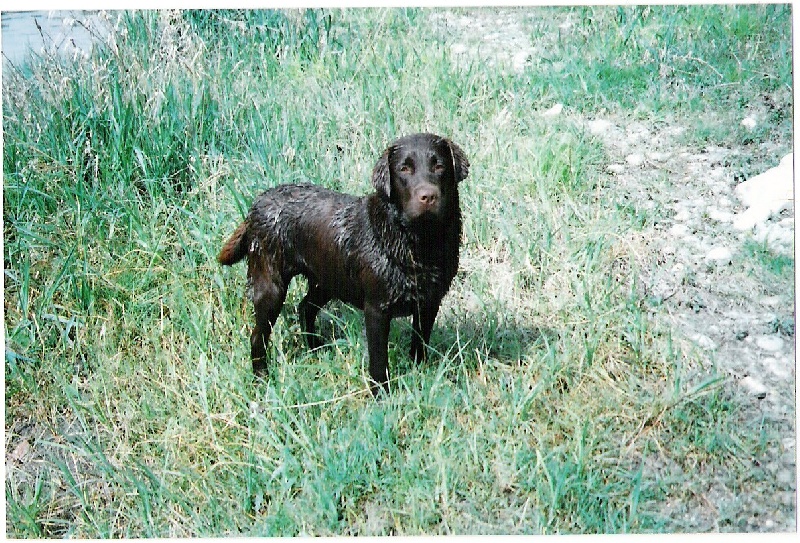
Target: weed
x,y
551,392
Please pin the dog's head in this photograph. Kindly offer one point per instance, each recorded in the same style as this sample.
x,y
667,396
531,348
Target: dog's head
x,y
420,174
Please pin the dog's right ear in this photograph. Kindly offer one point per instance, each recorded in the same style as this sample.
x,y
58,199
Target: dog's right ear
x,y
380,176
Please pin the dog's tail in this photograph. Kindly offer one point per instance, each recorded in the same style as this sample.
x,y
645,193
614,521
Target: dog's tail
x,y
236,247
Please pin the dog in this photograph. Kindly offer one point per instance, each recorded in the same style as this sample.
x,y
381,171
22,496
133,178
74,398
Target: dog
x,y
392,253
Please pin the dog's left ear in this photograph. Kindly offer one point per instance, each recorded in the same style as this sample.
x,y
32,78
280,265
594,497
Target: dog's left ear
x,y
380,176
460,162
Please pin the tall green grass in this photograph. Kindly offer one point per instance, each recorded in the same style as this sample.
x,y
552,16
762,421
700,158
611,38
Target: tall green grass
x,y
550,387
654,58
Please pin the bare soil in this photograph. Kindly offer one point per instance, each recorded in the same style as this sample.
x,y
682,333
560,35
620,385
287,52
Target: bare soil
x,y
694,265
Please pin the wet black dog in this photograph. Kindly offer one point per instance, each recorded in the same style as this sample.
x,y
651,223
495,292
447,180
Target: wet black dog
x,y
392,253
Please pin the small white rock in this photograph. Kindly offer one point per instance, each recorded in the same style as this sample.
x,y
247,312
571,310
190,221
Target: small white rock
x,y
635,159
749,123
678,230
658,156
472,303
553,111
770,343
720,254
785,477
519,62
616,169
599,127
719,214
704,342
777,367
755,387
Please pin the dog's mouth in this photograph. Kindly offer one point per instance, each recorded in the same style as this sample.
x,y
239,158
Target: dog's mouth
x,y
424,222
415,214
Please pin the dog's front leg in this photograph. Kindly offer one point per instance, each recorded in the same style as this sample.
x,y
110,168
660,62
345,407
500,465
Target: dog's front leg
x,y
377,323
422,325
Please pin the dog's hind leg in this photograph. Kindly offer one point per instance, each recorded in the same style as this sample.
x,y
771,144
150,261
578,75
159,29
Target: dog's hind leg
x,y
268,294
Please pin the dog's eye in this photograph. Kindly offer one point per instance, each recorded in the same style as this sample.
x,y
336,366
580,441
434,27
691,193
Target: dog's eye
x,y
405,168
438,168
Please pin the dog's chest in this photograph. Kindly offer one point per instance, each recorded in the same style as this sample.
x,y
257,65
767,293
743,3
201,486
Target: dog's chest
x,y
418,289
412,284
412,271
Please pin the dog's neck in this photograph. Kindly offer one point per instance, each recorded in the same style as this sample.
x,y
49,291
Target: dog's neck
x,y
423,241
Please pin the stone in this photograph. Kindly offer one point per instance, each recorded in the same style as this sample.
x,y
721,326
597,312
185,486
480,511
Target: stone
x,y
678,230
776,367
635,159
755,387
598,127
749,123
766,193
658,156
785,478
721,255
519,62
554,111
770,343
704,342
719,214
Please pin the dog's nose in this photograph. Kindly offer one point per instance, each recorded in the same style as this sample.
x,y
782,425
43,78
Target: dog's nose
x,y
428,197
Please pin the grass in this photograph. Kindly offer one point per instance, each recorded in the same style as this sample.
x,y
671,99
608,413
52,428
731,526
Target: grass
x,y
769,267
551,391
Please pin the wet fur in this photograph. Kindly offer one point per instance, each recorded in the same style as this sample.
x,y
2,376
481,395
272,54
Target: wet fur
x,y
392,253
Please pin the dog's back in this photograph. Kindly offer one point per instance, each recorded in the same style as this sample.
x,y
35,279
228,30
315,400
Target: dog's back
x,y
290,219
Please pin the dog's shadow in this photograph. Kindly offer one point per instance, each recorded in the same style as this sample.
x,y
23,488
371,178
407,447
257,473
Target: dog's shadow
x,y
477,338
471,339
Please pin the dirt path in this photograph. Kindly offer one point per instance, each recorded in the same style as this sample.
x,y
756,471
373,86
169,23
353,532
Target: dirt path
x,y
693,264
694,260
